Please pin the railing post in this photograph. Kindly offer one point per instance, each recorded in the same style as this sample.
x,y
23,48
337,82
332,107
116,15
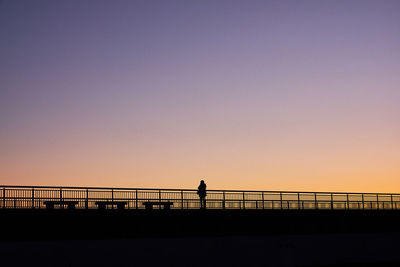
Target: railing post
x,y
87,199
391,200
244,201
4,197
136,194
315,201
377,201
347,200
223,200
182,199
280,196
362,198
61,194
33,197
263,205
159,198
112,197
298,200
331,201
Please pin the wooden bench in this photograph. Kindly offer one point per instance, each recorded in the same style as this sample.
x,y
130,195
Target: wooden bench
x,y
51,203
149,204
120,204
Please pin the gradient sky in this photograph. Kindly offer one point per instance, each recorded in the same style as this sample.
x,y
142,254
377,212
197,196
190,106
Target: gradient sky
x,y
263,95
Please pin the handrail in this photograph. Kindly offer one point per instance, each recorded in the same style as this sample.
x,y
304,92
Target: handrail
x,y
209,190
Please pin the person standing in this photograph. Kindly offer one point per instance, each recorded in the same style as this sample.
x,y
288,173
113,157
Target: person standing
x,y
202,192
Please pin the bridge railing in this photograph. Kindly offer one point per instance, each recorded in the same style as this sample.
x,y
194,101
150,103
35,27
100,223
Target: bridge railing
x,y
33,197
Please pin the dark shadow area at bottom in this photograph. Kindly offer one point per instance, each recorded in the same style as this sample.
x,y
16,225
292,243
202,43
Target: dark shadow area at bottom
x,y
378,249
75,238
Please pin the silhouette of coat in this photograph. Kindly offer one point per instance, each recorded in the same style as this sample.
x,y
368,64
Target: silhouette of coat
x,y
201,190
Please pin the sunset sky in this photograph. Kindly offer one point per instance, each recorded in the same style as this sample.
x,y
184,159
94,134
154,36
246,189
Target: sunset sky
x,y
262,95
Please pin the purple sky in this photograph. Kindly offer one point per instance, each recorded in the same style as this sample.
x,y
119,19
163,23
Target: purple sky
x,y
296,95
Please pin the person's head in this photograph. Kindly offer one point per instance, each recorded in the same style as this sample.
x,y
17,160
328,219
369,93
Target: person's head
x,y
202,181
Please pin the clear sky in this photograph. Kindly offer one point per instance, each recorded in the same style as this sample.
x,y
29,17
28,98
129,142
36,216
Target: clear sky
x,y
263,95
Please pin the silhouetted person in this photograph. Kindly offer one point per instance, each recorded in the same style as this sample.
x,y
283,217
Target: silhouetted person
x,y
202,192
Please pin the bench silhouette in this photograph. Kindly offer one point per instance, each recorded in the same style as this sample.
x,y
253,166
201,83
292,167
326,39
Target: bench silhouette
x,y
51,203
149,204
102,204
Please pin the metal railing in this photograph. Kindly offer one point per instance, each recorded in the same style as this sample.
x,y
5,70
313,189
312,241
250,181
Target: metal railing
x,y
33,197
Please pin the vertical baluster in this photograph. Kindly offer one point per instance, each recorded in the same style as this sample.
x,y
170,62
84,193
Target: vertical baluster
x,y
223,200
298,200
33,197
263,205
377,201
14,196
136,201
61,197
391,200
112,197
315,201
4,197
159,198
87,199
182,199
362,198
